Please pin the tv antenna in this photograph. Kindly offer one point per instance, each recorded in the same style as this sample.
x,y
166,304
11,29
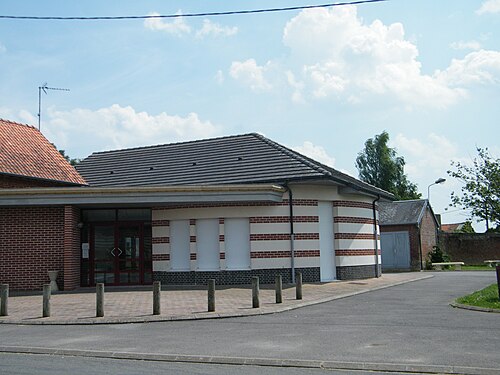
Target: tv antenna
x,y
44,88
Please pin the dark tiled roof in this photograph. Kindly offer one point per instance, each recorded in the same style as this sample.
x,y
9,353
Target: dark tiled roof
x,y
240,159
402,212
24,151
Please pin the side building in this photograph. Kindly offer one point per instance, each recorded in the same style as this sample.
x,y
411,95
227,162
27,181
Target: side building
x,y
409,231
226,208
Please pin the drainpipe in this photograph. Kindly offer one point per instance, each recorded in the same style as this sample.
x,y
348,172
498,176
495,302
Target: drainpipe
x,y
419,248
375,233
292,234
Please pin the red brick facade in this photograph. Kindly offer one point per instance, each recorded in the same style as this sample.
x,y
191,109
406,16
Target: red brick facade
x,y
13,182
71,248
34,240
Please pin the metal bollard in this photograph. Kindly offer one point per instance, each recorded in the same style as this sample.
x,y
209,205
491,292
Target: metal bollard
x,y
279,289
498,280
4,297
211,295
99,305
255,292
46,301
298,286
156,298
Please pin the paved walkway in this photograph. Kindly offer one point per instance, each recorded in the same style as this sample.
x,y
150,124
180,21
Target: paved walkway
x,y
134,306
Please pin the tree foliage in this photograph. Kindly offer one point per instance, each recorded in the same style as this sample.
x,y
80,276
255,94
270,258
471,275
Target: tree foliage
x,y
480,192
72,161
379,165
466,228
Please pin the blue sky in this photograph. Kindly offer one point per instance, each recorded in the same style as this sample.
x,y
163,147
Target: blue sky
x,y
320,81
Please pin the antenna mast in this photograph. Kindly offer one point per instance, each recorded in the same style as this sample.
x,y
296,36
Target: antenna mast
x,y
44,88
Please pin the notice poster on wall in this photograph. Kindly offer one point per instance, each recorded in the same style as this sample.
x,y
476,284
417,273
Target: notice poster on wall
x,y
85,250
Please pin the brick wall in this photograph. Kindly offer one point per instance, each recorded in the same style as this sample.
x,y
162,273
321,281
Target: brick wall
x,y
12,182
470,248
34,240
428,234
71,248
31,243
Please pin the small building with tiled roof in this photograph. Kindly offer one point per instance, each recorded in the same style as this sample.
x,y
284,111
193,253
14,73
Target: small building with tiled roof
x,y
452,228
28,159
409,231
226,208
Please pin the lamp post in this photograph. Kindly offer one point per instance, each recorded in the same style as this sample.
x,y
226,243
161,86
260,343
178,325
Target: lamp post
x,y
438,181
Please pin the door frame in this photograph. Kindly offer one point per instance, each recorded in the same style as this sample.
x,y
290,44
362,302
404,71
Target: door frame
x,y
116,225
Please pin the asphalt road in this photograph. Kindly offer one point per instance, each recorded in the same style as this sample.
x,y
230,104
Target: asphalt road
x,y
406,324
22,364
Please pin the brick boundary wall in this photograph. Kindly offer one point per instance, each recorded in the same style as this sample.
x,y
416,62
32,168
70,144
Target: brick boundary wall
x,y
473,248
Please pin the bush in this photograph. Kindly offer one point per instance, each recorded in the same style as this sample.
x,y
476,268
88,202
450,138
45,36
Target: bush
x,y
436,256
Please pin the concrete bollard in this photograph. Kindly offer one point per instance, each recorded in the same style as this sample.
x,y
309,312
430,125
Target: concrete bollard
x,y
99,297
298,285
4,299
211,295
255,292
46,300
279,289
498,280
156,298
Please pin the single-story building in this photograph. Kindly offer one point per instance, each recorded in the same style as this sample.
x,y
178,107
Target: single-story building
x,y
225,208
409,231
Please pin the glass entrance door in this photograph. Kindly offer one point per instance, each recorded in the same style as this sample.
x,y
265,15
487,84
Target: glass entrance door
x,y
118,254
128,255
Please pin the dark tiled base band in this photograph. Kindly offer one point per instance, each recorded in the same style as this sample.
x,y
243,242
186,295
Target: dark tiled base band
x,y
266,276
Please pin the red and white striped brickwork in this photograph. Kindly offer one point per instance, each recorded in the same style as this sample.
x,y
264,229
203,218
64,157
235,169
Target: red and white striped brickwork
x,y
270,230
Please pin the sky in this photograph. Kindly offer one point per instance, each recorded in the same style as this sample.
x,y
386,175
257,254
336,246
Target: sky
x,y
321,81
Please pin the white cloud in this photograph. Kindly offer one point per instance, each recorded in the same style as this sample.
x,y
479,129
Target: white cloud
x,y
351,60
118,127
431,155
489,6
479,67
317,153
180,27
214,29
2,48
461,45
177,27
250,74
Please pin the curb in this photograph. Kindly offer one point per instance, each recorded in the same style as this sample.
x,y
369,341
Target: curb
x,y
268,362
474,308
205,315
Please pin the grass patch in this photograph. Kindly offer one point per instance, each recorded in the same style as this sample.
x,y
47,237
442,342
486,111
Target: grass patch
x,y
482,267
487,297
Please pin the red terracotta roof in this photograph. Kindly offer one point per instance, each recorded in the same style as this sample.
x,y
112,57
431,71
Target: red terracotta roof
x,y
451,227
24,151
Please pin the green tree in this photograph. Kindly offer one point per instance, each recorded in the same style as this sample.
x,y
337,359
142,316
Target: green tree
x,y
480,192
467,228
379,165
73,162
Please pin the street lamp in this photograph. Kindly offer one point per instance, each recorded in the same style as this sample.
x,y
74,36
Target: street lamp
x,y
438,181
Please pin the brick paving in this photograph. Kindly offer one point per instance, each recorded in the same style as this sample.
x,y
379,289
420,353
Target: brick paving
x,y
132,305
